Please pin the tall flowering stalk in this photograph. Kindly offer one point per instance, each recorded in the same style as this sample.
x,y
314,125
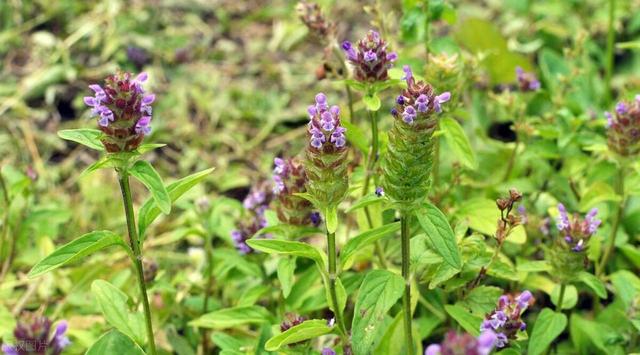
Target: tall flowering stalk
x,y
464,344
505,321
34,337
327,183
568,255
370,60
623,139
407,165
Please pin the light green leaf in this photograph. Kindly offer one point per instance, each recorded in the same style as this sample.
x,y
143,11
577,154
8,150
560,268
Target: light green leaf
x,y
114,342
113,304
104,162
547,327
372,102
594,283
306,330
232,317
286,270
147,147
627,286
148,176
481,214
355,136
150,211
362,240
439,232
331,218
481,300
85,136
570,296
364,201
274,246
469,322
76,250
457,139
378,293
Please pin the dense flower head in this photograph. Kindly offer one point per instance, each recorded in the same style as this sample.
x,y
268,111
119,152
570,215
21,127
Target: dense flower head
x,y
34,337
325,130
255,203
290,321
370,57
408,160
576,232
464,344
527,81
418,102
623,127
123,110
290,178
311,14
505,320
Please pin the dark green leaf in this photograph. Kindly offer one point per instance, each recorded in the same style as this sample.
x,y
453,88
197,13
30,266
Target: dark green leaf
x,y
286,247
115,342
113,304
85,136
548,326
594,283
306,330
439,232
286,270
458,141
469,322
362,240
232,317
148,176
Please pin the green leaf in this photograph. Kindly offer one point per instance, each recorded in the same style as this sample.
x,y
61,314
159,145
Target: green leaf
x,y
362,240
273,246
372,102
378,293
341,293
458,141
85,136
76,250
627,286
331,218
113,304
306,330
481,300
365,201
469,322
232,317
547,327
286,270
147,147
150,211
439,232
355,136
148,176
481,214
104,162
114,342
594,283
570,296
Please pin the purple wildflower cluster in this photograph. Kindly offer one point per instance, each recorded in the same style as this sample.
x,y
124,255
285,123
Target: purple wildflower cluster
x,y
577,232
289,178
418,100
328,351
123,110
370,58
325,131
624,127
255,204
464,344
311,14
527,81
505,320
34,338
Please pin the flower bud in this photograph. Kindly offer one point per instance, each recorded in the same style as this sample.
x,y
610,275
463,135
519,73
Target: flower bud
x,y
623,128
123,110
527,81
315,21
370,58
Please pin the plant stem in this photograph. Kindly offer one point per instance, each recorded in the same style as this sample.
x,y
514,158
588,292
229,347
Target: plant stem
x,y
436,160
207,290
406,299
336,52
123,179
561,297
331,251
611,36
619,189
5,229
373,154
512,160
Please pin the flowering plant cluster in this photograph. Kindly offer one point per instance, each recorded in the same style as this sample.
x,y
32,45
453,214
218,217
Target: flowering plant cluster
x,y
506,319
464,344
34,337
289,179
370,58
623,127
255,204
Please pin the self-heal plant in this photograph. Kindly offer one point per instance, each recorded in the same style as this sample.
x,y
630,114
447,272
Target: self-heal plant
x,y
123,111
327,183
464,344
407,166
33,336
289,179
506,319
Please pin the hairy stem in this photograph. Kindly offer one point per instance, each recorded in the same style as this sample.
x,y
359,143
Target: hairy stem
x,y
123,179
406,299
333,275
561,297
611,36
619,189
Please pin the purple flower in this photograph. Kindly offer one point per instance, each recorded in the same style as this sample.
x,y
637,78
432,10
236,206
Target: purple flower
x,y
315,218
328,351
240,241
392,57
143,125
422,101
440,99
621,108
486,342
609,117
498,319
409,114
527,81
370,56
278,184
501,340
524,298
379,191
407,73
592,223
393,111
106,116
579,246
433,349
324,124
563,219
505,321
280,166
400,100
454,343
577,232
347,47
9,350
